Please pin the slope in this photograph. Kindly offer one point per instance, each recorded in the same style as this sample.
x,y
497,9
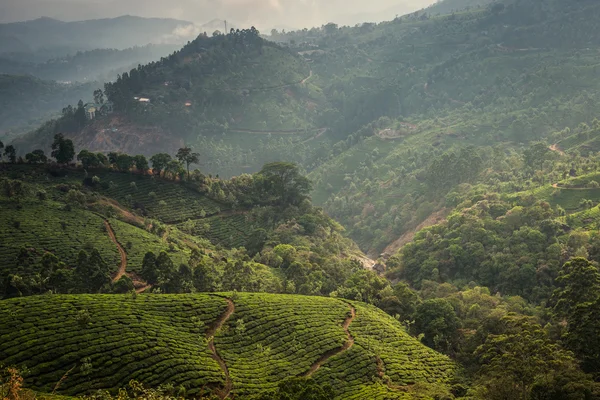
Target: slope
x,y
212,86
267,338
201,234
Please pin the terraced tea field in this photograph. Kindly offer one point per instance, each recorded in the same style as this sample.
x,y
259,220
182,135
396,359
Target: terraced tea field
x,y
46,227
232,344
167,201
233,230
170,202
137,242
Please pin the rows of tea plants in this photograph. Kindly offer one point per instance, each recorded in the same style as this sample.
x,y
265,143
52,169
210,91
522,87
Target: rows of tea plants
x,y
271,337
229,231
405,360
170,202
106,340
48,227
137,242
354,374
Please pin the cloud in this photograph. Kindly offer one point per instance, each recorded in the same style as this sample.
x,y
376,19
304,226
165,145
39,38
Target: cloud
x,y
264,14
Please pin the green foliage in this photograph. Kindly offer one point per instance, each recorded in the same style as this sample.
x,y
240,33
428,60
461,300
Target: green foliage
x,y
62,149
436,319
513,361
282,184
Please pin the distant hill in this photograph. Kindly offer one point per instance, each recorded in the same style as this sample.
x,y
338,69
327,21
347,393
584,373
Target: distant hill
x,y
84,66
234,83
450,6
25,101
45,38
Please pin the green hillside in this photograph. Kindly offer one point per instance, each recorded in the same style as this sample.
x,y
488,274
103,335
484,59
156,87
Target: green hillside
x,y
261,339
167,233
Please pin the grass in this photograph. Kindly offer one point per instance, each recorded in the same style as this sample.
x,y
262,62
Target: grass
x,y
159,339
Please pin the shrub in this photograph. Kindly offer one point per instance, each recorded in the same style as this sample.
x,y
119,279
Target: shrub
x,y
41,195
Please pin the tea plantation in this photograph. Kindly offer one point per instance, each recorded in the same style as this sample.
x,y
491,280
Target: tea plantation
x,y
47,227
106,340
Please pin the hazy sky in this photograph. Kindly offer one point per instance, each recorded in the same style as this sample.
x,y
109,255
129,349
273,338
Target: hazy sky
x,y
264,14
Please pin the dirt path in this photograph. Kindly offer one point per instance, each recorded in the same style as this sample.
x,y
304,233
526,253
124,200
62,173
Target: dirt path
x,y
555,148
323,359
210,336
143,289
165,235
433,219
366,262
123,266
320,133
307,78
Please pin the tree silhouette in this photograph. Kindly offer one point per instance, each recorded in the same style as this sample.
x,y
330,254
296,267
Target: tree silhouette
x,y
185,155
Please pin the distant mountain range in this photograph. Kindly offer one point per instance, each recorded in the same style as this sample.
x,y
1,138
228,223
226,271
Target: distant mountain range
x,y
48,38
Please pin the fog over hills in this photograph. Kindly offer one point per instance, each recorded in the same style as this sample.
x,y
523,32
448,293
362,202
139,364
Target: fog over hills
x,y
264,14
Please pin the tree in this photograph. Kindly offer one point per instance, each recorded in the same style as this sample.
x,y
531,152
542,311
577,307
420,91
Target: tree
x,y
515,358
62,149
167,272
36,157
281,183
124,162
174,168
92,271
98,96
149,270
159,162
1,148
80,116
112,158
578,283
102,159
535,155
88,159
186,156
11,153
141,163
437,320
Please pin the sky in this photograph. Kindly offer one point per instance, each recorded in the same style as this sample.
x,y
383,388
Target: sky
x,y
264,14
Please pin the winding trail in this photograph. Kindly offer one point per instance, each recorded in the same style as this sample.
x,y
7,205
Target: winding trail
x,y
123,266
143,289
210,336
307,78
323,359
555,148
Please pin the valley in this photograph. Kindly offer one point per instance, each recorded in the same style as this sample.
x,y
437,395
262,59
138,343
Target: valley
x,y
407,209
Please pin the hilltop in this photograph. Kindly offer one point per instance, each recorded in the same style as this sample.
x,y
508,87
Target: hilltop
x,y
213,86
230,344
